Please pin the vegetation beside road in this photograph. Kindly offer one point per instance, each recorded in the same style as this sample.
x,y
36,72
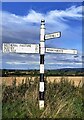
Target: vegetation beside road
x,y
62,100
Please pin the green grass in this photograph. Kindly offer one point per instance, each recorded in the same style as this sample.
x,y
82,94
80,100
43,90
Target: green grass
x,y
62,100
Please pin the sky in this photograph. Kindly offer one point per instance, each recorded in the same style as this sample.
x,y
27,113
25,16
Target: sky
x,y
21,24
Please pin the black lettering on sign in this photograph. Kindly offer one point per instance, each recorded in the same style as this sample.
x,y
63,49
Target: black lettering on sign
x,y
7,47
15,45
36,48
25,45
12,48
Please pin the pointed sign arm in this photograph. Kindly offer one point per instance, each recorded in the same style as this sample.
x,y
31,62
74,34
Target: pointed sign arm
x,y
52,35
61,51
20,48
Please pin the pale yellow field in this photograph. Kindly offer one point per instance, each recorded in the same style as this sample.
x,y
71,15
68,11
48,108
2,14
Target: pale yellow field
x,y
8,80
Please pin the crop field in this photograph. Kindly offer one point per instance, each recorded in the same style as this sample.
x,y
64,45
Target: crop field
x,y
63,99
76,79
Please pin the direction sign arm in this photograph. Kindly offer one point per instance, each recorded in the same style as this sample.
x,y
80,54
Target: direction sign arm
x,y
52,35
20,48
61,51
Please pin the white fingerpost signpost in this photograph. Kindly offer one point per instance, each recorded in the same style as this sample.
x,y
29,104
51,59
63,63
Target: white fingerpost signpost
x,y
41,49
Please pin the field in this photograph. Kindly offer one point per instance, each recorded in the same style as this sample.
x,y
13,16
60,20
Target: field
x,y
76,79
63,98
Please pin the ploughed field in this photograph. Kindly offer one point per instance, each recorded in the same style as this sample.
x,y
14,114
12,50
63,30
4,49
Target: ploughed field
x,y
73,79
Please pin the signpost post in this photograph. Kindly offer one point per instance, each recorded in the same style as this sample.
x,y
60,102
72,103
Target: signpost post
x,y
42,53
36,48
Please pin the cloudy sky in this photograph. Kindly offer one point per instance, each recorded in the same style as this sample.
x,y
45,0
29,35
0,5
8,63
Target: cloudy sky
x,y
21,24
